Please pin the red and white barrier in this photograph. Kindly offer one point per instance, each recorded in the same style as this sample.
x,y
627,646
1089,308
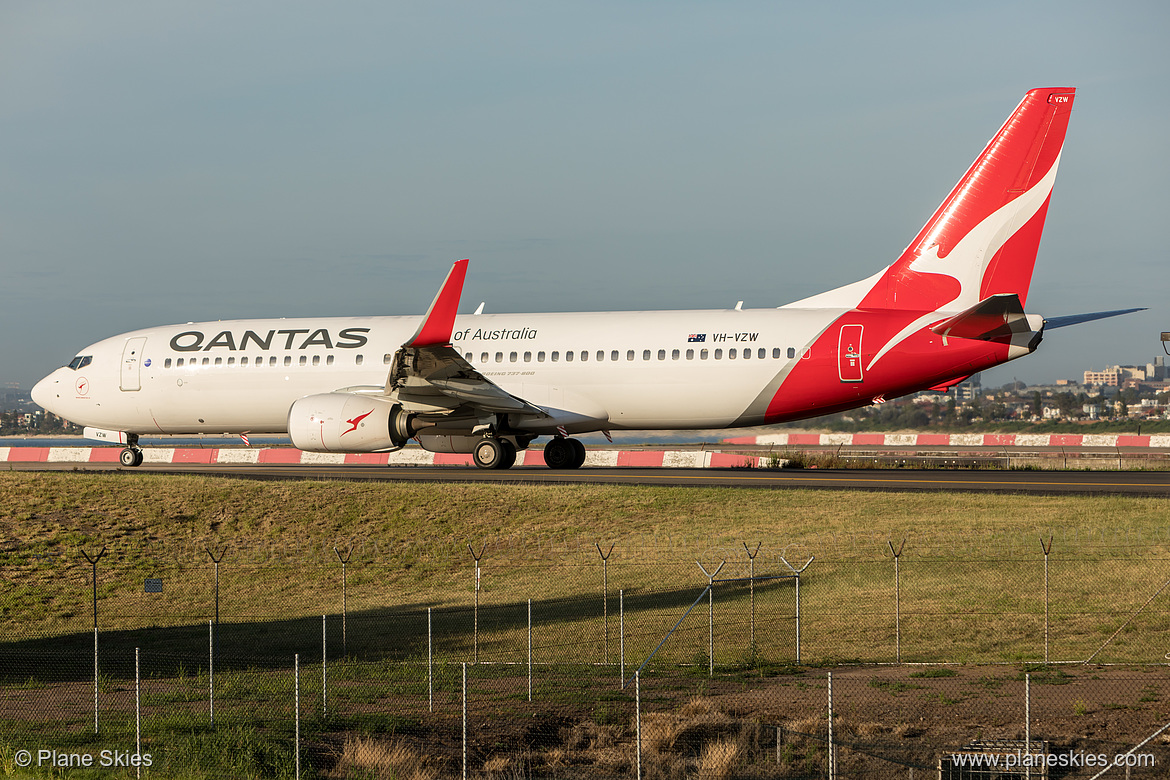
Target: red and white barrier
x,y
1158,441
410,457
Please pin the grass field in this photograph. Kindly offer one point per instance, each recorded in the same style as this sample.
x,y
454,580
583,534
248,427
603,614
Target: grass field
x,y
971,589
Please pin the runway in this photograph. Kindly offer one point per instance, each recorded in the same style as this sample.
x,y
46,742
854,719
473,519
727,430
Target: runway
x,y
1133,483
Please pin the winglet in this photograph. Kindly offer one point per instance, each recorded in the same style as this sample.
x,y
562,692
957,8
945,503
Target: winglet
x,y
439,321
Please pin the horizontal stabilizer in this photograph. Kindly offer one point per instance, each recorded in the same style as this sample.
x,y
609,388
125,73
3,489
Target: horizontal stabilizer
x,y
997,317
1077,319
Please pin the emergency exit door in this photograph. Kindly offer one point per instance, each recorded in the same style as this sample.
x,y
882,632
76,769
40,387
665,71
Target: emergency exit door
x,y
132,363
849,354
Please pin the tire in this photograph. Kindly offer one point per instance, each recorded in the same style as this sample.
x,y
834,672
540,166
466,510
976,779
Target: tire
x,y
559,453
130,457
488,454
578,454
509,458
138,456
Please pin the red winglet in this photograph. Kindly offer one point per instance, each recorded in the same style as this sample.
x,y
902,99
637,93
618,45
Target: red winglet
x,y
439,321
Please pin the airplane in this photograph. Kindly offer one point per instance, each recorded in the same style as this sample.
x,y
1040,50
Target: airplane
x,y
951,305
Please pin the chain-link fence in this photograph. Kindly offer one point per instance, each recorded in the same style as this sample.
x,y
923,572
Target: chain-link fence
x,y
631,664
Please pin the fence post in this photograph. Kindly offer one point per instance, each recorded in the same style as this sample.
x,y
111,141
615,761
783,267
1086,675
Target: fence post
x,y
711,615
344,595
797,572
475,625
216,559
1047,548
137,714
94,562
622,632
1028,721
324,680
529,649
605,591
898,597
211,671
752,588
464,720
297,715
832,749
638,718
430,665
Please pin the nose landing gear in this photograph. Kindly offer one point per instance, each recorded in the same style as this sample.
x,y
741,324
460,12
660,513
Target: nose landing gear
x,y
131,457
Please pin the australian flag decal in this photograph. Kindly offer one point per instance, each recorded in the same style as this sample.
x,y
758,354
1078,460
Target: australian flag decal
x,y
698,337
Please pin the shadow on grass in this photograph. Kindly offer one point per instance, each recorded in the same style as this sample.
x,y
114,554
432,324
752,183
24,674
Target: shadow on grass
x,y
393,634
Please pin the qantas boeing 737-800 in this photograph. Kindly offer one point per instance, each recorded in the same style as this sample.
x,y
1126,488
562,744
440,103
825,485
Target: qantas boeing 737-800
x,y
489,384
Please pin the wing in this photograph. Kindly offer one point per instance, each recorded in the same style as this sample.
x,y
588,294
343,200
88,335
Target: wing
x,y
428,376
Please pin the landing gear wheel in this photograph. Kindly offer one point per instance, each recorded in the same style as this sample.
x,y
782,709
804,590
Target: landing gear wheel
x,y
561,453
578,454
494,454
131,457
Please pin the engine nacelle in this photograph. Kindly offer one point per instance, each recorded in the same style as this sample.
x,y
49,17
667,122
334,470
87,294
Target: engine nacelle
x,y
345,422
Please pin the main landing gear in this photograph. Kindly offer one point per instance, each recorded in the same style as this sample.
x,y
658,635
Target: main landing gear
x,y
132,455
494,453
562,453
559,453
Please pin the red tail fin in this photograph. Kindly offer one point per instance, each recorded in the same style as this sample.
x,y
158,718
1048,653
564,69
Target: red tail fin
x,y
983,239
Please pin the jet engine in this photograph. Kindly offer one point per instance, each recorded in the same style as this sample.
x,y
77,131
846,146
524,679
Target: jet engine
x,y
346,422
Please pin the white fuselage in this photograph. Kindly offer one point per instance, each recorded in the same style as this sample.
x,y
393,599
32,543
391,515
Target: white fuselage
x,y
628,370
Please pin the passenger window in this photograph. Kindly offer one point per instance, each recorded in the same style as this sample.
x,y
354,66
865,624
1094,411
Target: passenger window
x,y
540,357
483,357
386,360
219,361
690,354
761,353
806,354
316,360
674,354
555,356
612,355
629,355
513,357
702,354
775,352
645,354
791,352
584,355
288,360
179,363
304,359
231,361
731,354
468,357
662,354
718,354
747,353
527,357
569,356
329,360
167,363
358,360
499,357
272,361
207,361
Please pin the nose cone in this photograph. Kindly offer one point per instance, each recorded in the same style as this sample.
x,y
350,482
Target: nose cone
x,y
46,394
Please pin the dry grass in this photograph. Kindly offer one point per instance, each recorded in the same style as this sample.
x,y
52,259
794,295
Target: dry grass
x,y
367,757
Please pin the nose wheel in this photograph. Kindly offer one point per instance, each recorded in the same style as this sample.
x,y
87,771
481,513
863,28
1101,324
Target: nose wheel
x,y
132,455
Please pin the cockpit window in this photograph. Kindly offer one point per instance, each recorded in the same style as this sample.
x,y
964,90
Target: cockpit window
x,y
81,361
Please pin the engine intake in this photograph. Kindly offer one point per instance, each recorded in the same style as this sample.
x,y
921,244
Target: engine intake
x,y
345,422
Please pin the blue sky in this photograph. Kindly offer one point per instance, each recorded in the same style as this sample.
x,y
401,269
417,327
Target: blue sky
x,y
163,163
